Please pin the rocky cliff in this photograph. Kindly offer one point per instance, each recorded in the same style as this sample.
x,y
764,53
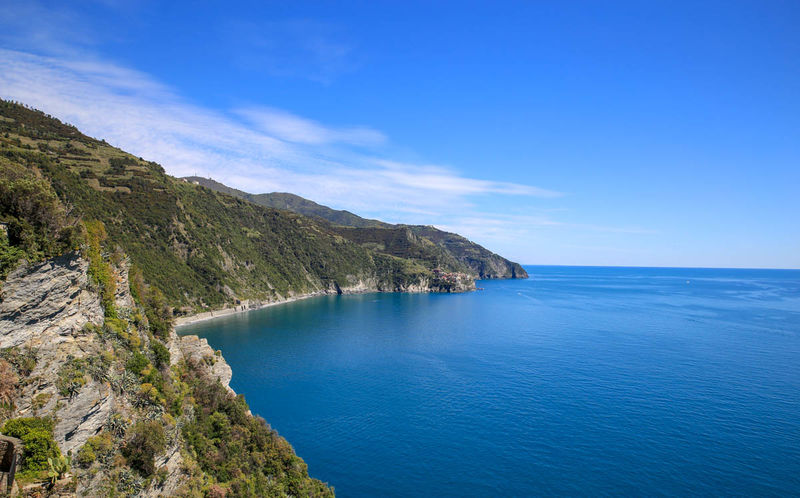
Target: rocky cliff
x,y
78,373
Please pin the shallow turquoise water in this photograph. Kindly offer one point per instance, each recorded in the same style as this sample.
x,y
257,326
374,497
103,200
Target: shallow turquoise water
x,y
579,381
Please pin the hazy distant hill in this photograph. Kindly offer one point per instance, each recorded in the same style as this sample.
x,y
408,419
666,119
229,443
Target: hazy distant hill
x,y
397,240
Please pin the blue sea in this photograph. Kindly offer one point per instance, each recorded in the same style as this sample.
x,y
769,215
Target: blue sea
x,y
579,381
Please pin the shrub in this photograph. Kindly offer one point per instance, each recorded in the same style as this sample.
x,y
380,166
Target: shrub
x,y
37,437
145,441
149,394
115,326
137,363
99,446
71,377
86,455
160,354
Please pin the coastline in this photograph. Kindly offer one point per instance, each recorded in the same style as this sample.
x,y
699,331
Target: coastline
x,y
186,320
360,288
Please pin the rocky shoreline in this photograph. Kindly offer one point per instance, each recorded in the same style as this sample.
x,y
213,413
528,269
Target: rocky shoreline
x,y
457,283
185,320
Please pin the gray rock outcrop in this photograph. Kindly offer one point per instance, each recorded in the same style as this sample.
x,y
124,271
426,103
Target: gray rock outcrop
x,y
46,308
195,349
48,303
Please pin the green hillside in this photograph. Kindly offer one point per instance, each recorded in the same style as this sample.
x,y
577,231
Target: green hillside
x,y
454,252
294,203
202,248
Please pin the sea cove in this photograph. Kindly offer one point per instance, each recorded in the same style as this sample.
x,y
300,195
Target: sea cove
x,y
580,380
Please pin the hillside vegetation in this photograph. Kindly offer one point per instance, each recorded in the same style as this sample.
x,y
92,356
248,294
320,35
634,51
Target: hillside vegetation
x,y
95,248
455,252
203,249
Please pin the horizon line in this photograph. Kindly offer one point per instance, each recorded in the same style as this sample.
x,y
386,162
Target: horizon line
x,y
669,267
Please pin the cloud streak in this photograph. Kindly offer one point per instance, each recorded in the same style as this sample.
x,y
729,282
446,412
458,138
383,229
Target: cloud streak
x,y
257,149
291,128
297,48
264,149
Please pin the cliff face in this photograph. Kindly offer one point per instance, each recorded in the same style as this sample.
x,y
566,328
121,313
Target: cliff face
x,y
46,308
46,305
52,312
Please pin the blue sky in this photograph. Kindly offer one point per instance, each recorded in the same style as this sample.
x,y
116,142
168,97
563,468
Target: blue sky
x,y
597,133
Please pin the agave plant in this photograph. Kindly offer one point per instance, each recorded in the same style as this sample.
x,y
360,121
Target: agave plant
x,y
73,389
154,412
59,467
116,425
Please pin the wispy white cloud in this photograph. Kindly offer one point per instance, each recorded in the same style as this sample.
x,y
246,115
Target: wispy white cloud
x,y
441,179
52,27
256,149
292,128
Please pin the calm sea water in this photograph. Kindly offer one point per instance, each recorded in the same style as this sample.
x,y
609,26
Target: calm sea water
x,y
579,381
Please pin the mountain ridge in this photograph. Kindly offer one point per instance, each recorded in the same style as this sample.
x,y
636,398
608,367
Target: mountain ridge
x,y
479,260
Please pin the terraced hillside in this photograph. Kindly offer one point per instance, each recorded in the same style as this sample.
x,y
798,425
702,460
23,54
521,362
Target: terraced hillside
x,y
203,249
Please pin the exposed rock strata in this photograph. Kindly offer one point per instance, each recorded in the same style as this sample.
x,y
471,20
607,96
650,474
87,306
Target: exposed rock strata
x,y
48,304
47,307
198,350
